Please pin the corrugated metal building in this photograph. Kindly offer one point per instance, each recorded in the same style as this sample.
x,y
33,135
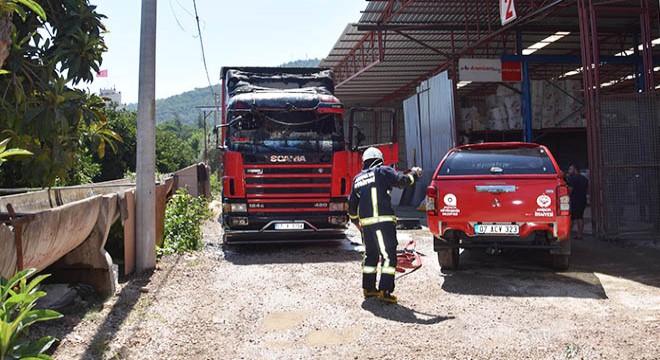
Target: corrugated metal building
x,y
412,55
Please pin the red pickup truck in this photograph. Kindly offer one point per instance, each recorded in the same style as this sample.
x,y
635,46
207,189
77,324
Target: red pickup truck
x,y
499,195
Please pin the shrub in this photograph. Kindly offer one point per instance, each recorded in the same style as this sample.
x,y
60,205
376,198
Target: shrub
x,y
216,185
17,313
184,215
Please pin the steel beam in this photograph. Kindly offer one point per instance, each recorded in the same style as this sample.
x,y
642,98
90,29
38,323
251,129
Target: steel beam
x,y
576,60
423,44
407,88
368,52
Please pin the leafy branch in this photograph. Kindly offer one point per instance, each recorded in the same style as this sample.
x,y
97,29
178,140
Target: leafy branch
x,y
17,313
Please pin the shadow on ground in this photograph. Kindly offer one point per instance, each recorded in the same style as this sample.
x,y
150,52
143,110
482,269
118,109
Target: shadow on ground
x,y
524,273
529,273
400,313
624,259
128,300
339,250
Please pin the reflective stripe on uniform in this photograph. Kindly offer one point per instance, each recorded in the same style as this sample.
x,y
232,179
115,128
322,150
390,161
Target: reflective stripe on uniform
x,y
353,217
377,219
383,252
374,201
412,179
388,270
369,269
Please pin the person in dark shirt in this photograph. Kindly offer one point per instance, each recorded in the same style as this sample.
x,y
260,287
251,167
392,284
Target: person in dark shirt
x,y
578,186
370,208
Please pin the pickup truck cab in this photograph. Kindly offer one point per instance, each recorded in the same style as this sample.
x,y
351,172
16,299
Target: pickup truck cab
x,y
499,195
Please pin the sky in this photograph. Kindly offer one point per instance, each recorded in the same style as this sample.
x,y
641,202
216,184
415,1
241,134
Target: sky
x,y
235,33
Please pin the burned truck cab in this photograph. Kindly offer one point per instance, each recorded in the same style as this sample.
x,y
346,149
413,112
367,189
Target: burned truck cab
x,y
285,163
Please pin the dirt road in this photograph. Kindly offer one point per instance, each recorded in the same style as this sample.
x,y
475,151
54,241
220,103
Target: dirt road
x,y
304,302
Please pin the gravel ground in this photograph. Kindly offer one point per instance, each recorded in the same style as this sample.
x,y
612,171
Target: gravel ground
x,y
304,302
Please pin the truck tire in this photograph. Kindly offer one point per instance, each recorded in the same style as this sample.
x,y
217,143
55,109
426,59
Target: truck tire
x,y
560,262
448,259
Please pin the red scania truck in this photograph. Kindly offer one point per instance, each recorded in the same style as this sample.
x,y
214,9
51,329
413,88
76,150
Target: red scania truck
x,y
287,162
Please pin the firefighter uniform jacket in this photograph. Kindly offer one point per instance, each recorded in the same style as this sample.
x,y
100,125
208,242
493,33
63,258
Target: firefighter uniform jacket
x,y
370,200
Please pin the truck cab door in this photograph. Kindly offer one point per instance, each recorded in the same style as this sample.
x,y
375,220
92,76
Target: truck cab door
x,y
369,127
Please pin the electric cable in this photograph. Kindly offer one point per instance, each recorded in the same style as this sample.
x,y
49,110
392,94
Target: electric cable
x,y
206,69
176,18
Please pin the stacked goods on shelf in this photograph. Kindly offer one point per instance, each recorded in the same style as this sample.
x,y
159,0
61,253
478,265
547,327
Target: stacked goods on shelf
x,y
471,119
554,105
559,107
513,106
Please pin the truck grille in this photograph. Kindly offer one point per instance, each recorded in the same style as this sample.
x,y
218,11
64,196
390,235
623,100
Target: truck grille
x,y
290,188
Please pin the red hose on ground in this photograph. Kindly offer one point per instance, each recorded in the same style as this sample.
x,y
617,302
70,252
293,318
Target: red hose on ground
x,y
408,258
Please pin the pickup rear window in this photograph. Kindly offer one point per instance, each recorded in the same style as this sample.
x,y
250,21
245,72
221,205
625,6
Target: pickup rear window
x,y
497,161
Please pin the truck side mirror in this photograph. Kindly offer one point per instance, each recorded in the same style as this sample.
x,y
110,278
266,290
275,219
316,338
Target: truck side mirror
x,y
360,138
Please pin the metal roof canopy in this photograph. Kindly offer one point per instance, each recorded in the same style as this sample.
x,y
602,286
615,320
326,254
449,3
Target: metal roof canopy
x,y
399,43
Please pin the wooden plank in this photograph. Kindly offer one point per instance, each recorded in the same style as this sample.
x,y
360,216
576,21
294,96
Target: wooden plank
x,y
129,234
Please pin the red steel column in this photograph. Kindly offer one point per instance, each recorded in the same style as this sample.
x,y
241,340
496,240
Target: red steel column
x,y
591,85
647,50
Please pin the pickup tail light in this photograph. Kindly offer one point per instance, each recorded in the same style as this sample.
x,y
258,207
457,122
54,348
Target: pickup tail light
x,y
564,202
432,200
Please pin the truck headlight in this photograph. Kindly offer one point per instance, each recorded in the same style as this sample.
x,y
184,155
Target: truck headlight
x,y
339,206
235,208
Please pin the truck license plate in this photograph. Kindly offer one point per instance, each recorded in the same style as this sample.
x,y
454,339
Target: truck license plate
x,y
497,229
289,226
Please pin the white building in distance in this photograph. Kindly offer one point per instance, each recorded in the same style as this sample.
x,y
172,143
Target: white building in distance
x,y
112,98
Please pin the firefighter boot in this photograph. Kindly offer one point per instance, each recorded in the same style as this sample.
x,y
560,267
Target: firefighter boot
x,y
388,297
373,292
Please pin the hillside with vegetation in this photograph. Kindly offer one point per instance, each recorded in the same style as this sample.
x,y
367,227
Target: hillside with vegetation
x,y
183,107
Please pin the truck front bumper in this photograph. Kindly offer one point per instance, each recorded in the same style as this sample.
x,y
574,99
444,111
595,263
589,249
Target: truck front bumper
x,y
288,228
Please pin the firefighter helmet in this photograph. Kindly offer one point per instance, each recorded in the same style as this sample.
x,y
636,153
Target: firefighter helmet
x,y
372,153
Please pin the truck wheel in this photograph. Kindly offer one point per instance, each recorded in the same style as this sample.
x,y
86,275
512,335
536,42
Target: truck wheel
x,y
560,262
448,259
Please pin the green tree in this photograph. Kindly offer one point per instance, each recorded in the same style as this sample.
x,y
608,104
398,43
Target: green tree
x,y
6,153
7,9
114,165
41,112
173,151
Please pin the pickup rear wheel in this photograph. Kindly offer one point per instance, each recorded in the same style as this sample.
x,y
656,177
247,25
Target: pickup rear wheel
x,y
448,259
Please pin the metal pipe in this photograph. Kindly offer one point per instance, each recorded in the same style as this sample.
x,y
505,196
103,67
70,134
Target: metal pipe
x,y
587,80
18,237
526,103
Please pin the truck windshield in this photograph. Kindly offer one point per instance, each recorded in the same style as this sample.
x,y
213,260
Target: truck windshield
x,y
284,131
497,161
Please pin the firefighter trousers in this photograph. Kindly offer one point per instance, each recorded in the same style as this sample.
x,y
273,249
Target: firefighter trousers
x,y
380,242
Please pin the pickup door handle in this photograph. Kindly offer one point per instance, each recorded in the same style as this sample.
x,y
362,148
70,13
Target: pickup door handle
x,y
496,188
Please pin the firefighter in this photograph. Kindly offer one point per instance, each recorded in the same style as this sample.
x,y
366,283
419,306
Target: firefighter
x,y
370,208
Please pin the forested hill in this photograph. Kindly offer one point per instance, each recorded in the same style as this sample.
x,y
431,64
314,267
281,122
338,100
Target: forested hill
x,y
184,106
